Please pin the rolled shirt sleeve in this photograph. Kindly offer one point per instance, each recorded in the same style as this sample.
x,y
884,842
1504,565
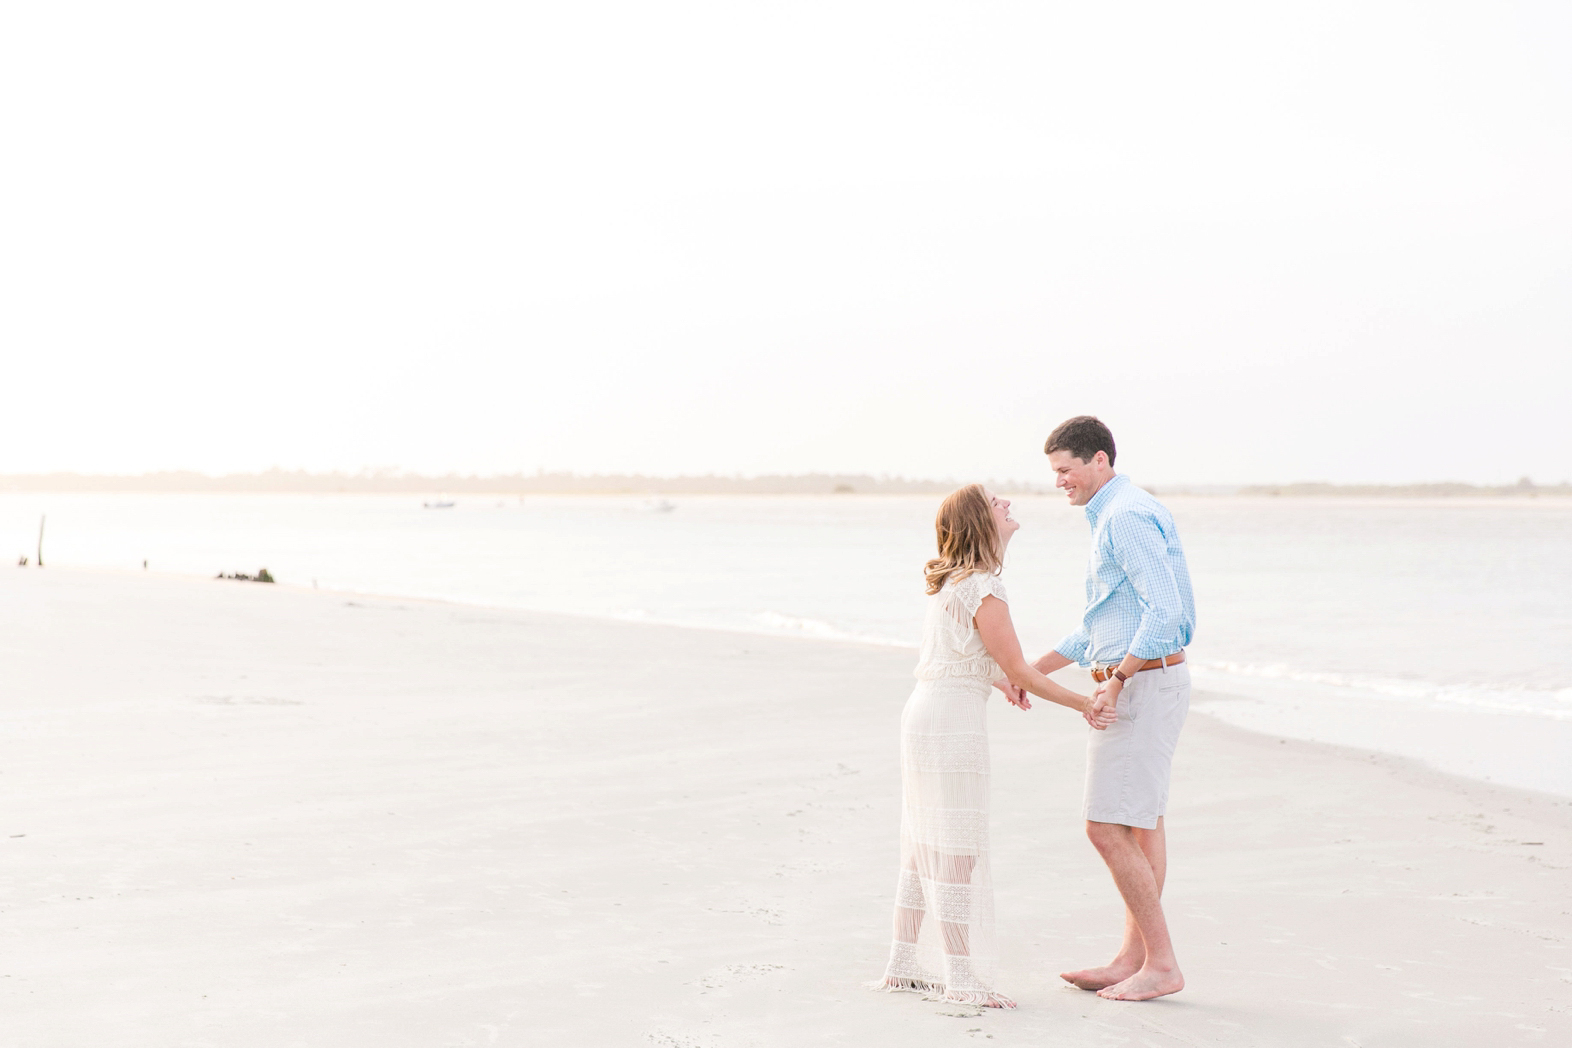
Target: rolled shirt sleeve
x,y
1074,646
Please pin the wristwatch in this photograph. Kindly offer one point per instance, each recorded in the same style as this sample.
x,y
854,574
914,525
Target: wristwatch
x,y
1123,676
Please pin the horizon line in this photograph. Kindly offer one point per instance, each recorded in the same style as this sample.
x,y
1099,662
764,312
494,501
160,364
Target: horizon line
x,y
372,480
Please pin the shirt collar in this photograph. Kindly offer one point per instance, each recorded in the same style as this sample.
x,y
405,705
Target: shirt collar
x,y
1098,502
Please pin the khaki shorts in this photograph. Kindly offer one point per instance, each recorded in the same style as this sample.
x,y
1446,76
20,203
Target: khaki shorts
x,y
1127,766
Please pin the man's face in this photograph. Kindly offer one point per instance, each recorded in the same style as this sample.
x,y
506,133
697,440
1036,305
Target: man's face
x,y
1079,479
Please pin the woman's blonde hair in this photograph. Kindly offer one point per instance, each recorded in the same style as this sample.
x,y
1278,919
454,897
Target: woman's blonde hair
x,y
968,538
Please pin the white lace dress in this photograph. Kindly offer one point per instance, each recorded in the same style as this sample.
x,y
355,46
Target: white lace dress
x,y
943,943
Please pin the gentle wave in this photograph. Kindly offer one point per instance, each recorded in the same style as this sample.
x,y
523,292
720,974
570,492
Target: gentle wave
x,y
1555,704
768,624
775,623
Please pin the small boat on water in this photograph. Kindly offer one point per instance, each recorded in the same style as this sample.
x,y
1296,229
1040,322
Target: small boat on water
x,y
658,505
439,503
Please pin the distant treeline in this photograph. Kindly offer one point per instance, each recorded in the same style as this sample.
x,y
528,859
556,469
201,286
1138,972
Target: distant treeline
x,y
369,483
1523,488
299,481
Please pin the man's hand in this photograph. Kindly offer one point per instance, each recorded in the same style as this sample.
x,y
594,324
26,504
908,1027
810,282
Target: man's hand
x,y
1103,710
1017,696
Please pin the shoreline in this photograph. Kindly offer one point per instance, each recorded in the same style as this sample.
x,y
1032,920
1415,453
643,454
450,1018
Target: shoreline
x,y
1211,696
260,814
1443,735
1417,767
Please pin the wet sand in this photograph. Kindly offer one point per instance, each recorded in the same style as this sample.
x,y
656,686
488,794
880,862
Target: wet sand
x,y
236,814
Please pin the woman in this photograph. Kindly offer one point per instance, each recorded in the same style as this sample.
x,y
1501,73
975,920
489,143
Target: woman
x,y
943,943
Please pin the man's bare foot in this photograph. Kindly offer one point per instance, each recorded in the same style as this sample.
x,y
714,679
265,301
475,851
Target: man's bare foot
x,y
1097,978
1144,985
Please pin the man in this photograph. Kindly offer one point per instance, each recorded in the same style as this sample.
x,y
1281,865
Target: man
x,y
1140,615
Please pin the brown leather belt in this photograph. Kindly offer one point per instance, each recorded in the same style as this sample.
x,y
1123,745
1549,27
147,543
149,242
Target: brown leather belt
x,y
1150,664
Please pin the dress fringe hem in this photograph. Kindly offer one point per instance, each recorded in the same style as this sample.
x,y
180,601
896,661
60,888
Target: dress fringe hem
x,y
890,984
975,998
932,991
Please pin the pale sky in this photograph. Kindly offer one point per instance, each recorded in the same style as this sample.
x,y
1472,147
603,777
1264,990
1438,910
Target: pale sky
x,y
1265,242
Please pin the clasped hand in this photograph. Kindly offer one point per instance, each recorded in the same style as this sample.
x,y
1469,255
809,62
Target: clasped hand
x,y
1103,710
1100,713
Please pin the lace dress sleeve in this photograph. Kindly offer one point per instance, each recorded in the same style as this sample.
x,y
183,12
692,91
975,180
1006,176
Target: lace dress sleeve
x,y
971,590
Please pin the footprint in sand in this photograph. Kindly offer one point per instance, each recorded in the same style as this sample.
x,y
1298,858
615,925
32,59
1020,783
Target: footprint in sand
x,y
680,1040
734,973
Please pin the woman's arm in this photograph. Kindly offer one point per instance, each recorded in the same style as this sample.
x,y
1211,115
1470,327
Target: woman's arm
x,y
998,636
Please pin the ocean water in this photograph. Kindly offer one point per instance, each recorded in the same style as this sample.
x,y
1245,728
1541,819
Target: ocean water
x,y
1435,629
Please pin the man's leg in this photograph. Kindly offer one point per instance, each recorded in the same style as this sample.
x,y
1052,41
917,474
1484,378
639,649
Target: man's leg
x,y
1132,951
1127,771
1137,880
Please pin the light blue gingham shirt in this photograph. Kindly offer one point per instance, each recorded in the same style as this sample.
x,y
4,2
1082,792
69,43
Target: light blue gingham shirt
x,y
1138,596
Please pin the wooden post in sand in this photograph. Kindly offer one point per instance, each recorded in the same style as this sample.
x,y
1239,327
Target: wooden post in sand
x,y
40,559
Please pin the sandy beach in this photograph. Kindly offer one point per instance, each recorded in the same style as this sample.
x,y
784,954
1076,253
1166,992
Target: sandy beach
x,y
237,814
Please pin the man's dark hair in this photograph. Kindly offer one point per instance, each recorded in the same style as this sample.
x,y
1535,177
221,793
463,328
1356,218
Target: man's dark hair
x,y
1082,436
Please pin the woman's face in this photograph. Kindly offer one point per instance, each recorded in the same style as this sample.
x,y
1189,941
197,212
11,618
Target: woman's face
x,y
1006,524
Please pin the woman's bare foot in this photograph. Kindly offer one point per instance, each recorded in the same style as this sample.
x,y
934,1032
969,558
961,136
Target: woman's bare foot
x,y
1144,985
1097,978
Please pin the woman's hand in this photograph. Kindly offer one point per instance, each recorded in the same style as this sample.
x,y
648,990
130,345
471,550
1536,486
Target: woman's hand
x,y
1017,697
